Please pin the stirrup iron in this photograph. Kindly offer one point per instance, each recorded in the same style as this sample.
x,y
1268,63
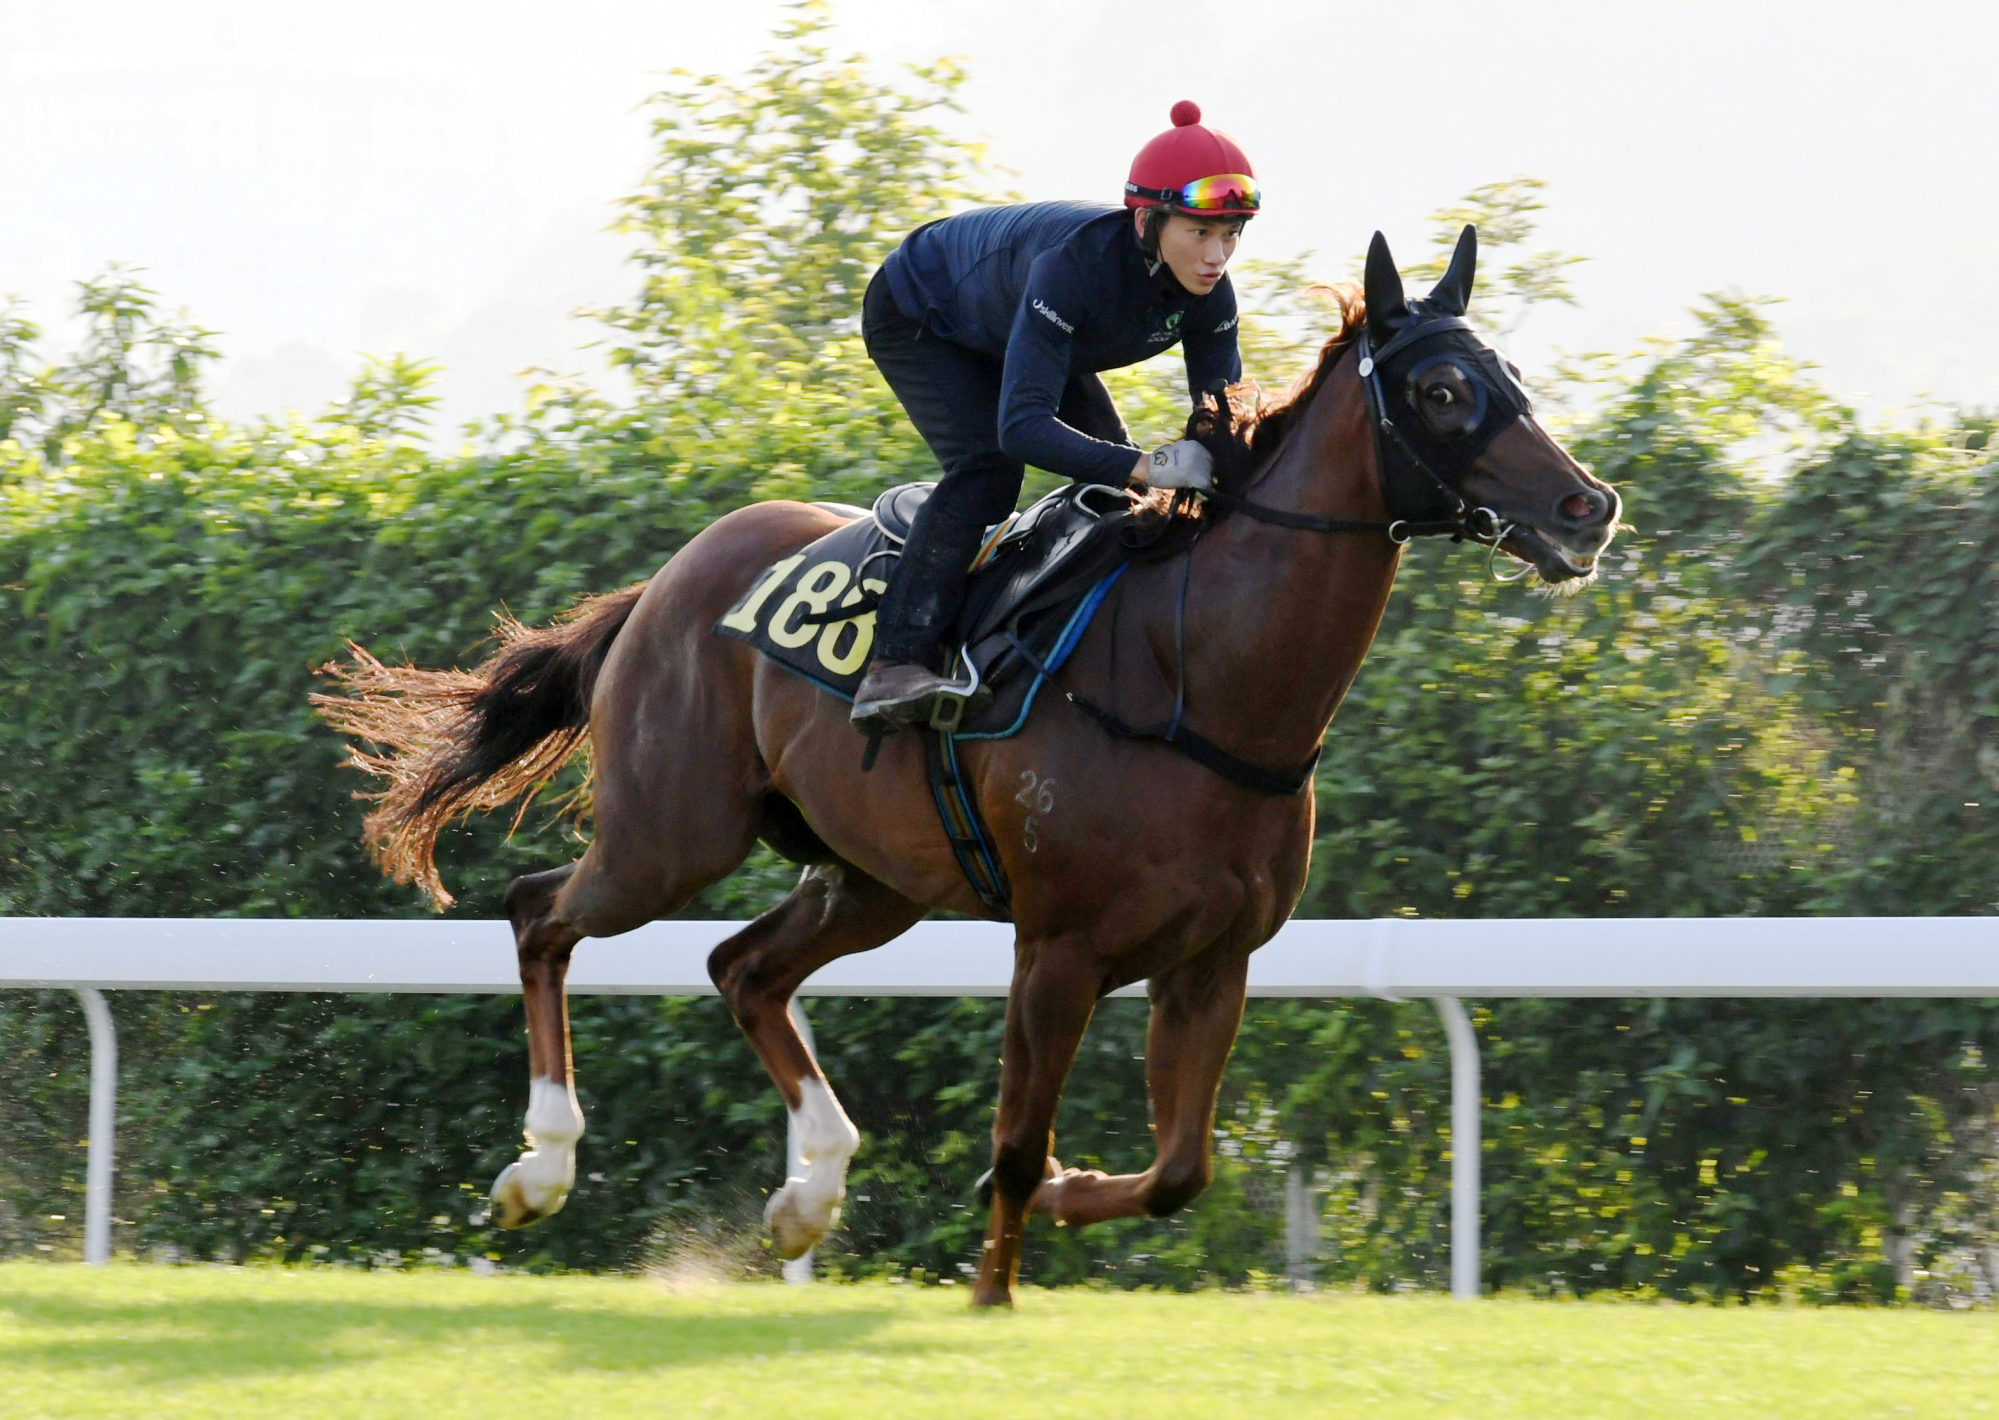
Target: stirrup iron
x,y
949,710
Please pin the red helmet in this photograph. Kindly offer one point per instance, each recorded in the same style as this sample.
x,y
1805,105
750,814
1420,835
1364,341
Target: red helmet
x,y
1191,169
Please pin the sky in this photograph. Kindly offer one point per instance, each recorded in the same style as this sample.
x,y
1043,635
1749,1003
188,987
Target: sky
x,y
435,177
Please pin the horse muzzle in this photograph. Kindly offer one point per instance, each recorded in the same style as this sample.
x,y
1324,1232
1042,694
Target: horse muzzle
x,y
1567,543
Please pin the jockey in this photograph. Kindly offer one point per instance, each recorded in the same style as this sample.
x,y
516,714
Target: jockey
x,y
991,327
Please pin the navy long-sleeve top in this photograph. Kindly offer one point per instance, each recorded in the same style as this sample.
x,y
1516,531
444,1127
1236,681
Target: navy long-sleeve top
x,y
1057,289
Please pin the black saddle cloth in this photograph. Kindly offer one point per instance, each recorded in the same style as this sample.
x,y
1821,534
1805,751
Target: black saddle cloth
x,y
1026,608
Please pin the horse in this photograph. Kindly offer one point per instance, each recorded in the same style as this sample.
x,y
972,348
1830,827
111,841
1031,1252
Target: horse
x,y
1132,857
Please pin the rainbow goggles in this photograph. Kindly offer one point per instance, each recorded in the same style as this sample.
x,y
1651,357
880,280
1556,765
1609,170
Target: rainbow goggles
x,y
1225,192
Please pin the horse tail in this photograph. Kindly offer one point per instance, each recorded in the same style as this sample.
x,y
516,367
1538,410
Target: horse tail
x,y
456,741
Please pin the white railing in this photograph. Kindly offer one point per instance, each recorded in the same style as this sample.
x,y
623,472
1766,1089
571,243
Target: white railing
x,y
1394,958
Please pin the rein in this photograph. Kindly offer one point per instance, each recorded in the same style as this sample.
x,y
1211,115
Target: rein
x,y
1397,530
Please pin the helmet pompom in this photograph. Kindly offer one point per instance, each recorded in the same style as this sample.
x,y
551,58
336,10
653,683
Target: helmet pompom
x,y
1186,113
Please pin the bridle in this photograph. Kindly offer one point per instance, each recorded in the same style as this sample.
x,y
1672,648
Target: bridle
x,y
1461,520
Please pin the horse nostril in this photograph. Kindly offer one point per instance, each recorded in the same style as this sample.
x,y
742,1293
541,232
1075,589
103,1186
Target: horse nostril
x,y
1578,507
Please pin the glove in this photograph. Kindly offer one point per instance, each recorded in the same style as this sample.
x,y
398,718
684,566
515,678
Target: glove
x,y
1181,464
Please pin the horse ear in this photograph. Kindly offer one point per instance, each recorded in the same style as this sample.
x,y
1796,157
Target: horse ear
x,y
1453,293
1386,305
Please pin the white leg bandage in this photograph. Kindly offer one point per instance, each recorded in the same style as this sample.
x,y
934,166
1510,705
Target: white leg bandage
x,y
554,1124
807,1207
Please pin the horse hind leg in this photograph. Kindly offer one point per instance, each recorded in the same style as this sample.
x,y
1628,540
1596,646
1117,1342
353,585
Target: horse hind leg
x,y
835,911
600,895
676,806
536,1185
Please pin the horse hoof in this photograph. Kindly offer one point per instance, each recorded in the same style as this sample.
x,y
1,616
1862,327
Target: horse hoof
x,y
792,1232
512,1208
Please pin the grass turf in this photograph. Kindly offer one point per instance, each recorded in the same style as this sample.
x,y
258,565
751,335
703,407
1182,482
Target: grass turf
x,y
298,1342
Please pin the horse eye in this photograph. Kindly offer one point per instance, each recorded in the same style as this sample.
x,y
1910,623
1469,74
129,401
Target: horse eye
x,y
1441,396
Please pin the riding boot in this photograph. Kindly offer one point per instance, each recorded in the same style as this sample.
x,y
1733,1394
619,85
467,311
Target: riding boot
x,y
924,593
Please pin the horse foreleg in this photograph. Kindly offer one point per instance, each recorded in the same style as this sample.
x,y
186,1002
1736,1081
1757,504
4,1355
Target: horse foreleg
x,y
834,911
1196,1009
1047,1011
536,1185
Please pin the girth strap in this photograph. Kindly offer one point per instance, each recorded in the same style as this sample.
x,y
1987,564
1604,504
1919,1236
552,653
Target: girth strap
x,y
964,825
1204,751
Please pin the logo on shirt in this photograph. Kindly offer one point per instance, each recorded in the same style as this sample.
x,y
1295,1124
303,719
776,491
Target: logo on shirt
x,y
1228,324
1060,324
1172,331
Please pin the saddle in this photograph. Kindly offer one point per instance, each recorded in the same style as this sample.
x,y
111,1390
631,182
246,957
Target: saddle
x,y
1036,584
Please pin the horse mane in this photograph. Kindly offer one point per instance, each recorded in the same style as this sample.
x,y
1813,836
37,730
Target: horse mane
x,y
1252,426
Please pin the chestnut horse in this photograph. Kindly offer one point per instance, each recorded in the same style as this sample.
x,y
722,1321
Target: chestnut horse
x,y
1129,860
